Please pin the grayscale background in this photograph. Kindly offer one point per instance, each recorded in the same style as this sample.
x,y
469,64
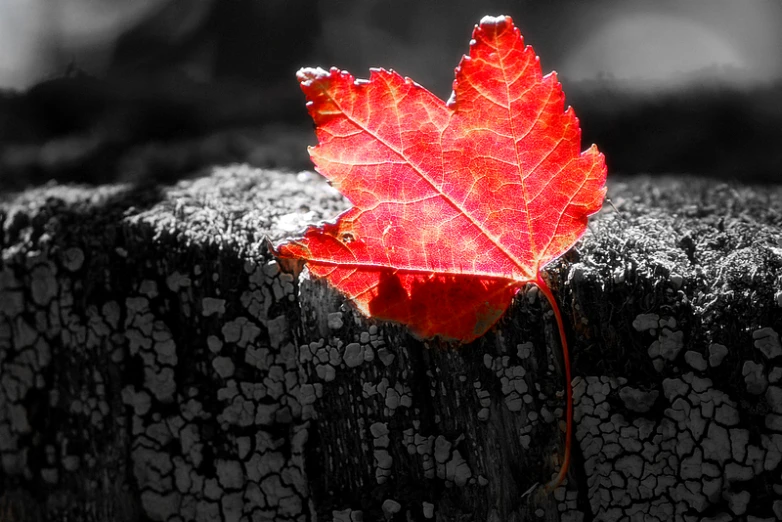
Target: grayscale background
x,y
155,90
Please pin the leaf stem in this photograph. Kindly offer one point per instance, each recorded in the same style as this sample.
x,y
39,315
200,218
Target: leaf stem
x,y
555,482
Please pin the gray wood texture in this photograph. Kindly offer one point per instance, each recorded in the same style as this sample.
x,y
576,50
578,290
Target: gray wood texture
x,y
157,363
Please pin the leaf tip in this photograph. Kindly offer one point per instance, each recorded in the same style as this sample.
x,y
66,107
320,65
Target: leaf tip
x,y
377,71
307,75
495,21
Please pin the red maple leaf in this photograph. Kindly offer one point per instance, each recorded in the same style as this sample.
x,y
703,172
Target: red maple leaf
x,y
457,205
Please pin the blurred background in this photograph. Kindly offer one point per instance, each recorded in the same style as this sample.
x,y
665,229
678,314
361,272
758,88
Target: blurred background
x,y
153,90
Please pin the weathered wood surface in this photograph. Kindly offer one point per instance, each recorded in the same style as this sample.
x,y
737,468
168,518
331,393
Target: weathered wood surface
x,y
157,364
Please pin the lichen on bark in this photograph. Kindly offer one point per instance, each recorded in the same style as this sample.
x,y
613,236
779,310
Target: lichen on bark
x,y
156,363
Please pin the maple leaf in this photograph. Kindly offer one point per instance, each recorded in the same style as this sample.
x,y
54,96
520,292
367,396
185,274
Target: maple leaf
x,y
456,205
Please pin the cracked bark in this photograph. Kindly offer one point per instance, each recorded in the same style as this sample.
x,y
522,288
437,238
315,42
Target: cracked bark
x,y
157,364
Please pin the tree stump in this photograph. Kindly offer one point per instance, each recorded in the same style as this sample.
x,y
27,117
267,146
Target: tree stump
x,y
157,363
